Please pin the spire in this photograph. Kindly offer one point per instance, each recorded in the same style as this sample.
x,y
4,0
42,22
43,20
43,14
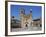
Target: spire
x,y
22,10
30,10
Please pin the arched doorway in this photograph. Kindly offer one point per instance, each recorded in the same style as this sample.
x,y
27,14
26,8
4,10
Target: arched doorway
x,y
26,24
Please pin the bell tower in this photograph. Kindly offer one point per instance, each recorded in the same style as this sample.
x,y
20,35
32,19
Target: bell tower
x,y
30,17
22,13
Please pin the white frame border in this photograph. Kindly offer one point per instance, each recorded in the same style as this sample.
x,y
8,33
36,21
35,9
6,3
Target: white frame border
x,y
30,32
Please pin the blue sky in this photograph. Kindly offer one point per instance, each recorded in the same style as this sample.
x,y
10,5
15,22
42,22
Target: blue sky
x,y
36,10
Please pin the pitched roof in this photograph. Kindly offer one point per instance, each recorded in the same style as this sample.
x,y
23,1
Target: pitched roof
x,y
36,19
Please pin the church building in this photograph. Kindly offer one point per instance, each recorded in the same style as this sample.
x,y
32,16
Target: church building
x,y
25,19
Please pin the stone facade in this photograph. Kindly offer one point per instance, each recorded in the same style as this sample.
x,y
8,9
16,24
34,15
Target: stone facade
x,y
25,19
